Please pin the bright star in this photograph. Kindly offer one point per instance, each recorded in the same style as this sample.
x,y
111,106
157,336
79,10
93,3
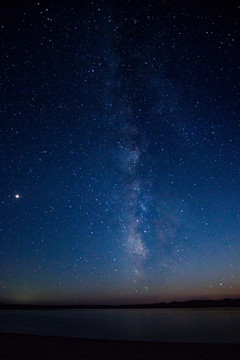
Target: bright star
x,y
17,196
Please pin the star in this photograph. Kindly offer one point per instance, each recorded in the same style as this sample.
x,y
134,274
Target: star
x,y
17,196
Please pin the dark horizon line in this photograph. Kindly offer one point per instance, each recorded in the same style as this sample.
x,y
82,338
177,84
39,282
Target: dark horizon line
x,y
226,302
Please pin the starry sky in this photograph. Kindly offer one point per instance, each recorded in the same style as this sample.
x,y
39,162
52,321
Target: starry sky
x,y
119,151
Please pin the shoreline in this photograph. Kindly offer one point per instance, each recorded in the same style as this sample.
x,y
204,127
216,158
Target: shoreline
x,y
38,347
190,304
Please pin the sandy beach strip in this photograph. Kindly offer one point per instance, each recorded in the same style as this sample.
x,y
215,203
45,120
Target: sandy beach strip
x,y
34,347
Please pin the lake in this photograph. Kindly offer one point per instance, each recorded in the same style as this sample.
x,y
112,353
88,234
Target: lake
x,y
166,325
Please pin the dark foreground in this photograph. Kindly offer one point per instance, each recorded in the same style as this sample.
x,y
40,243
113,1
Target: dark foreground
x,y
28,347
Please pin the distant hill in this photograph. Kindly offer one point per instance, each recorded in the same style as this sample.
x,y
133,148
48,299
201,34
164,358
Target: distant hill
x,y
174,304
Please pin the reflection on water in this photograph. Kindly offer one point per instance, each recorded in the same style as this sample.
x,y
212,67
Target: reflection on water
x,y
171,325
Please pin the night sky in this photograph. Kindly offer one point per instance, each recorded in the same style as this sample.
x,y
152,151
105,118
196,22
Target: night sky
x,y
119,151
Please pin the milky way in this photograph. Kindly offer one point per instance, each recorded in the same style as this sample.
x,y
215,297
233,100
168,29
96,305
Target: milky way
x,y
119,151
134,200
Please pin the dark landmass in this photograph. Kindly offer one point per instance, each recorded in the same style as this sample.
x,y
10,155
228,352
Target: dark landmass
x,y
174,304
22,347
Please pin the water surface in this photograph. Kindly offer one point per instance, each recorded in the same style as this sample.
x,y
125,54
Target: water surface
x,y
167,325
